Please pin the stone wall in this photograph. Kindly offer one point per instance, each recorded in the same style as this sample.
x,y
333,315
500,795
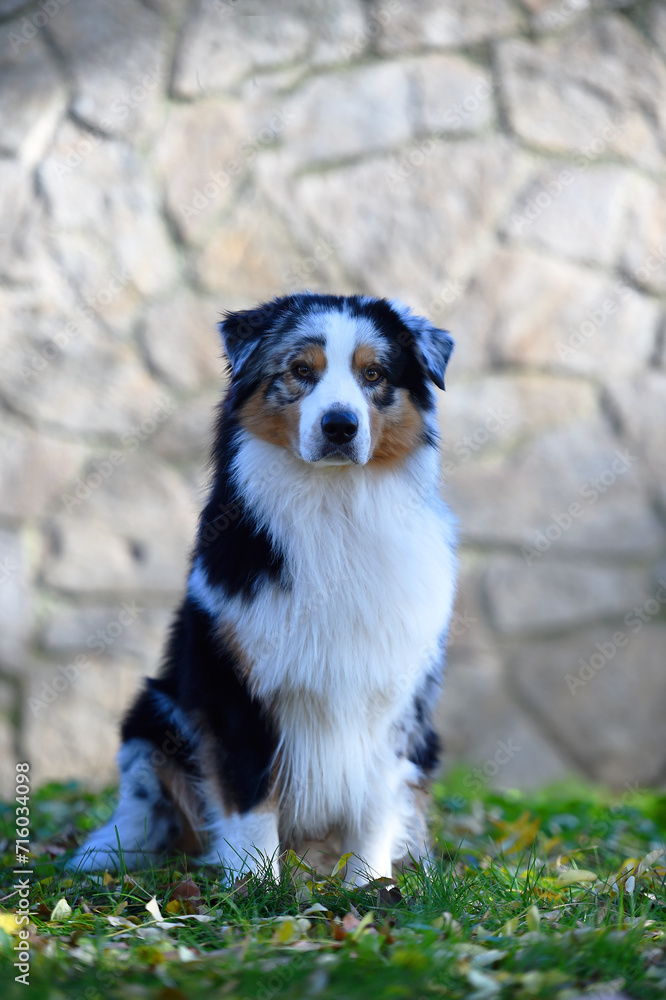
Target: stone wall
x,y
498,165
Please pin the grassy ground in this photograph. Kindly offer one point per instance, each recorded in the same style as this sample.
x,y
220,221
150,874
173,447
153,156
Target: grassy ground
x,y
545,895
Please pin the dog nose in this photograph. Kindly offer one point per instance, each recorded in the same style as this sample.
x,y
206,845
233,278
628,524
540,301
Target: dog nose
x,y
339,426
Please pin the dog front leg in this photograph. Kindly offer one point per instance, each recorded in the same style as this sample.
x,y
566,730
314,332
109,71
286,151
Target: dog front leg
x,y
244,842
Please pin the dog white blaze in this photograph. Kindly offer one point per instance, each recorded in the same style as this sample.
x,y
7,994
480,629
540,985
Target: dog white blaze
x,y
338,388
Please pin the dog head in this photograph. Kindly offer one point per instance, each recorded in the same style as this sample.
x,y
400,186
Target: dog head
x,y
336,380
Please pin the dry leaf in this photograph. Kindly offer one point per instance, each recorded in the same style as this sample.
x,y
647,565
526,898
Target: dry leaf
x,y
8,923
154,909
573,875
186,890
61,911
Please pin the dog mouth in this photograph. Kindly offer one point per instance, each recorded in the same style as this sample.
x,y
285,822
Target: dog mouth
x,y
336,454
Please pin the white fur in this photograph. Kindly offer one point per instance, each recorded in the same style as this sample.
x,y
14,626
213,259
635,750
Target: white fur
x,y
243,843
130,833
340,654
338,387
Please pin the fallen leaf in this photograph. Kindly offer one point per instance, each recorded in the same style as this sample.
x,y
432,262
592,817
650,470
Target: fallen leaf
x,y
61,911
340,864
573,875
187,889
153,909
8,923
533,918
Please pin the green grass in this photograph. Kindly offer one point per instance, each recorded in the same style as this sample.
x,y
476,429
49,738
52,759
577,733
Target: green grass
x,y
500,915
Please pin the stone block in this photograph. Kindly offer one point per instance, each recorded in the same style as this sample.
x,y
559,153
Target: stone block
x,y
8,759
551,594
598,720
253,256
575,212
128,629
33,93
35,469
496,413
15,186
217,49
643,243
575,489
348,113
529,310
187,437
555,15
597,92
468,629
103,189
424,226
54,353
130,530
78,718
117,55
453,94
426,24
482,727
197,188
640,403
654,18
16,599
181,340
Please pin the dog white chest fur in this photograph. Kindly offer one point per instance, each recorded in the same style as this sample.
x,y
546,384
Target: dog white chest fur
x,y
340,654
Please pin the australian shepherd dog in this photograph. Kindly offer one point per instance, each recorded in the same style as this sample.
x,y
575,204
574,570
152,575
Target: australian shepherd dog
x,y
300,676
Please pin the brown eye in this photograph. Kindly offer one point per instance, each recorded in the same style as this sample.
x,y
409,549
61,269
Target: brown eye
x,y
303,371
372,374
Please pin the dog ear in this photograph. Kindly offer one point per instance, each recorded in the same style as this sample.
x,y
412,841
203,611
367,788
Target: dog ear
x,y
432,345
242,331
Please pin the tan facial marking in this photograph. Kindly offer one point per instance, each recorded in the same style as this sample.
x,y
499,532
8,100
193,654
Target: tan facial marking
x,y
396,430
277,424
363,357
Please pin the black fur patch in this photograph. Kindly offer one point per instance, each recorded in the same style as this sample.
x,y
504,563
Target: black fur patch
x,y
211,687
235,549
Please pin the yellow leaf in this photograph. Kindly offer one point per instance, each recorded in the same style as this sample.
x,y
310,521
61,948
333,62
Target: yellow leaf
x,y
648,861
292,859
61,911
573,875
510,927
154,909
340,864
108,879
173,907
284,932
533,918
8,923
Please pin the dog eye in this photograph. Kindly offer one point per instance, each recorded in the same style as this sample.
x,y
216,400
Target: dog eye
x,y
303,371
372,374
